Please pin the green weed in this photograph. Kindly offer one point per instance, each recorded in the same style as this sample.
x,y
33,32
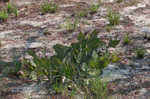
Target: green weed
x,y
140,53
3,15
15,11
12,9
97,89
113,43
72,65
119,1
71,24
108,28
9,8
113,18
94,8
48,7
126,40
69,70
115,58
83,13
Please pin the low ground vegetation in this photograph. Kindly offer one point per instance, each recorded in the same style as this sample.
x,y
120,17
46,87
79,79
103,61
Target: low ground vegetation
x,y
7,11
73,69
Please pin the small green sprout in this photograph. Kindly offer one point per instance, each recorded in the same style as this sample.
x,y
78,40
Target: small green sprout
x,y
48,7
114,18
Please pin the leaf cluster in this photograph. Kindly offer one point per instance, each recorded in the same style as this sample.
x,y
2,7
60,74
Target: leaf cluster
x,y
71,67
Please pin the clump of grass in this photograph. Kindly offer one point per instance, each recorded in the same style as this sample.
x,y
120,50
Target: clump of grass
x,y
83,13
9,8
5,0
13,68
48,7
131,3
3,15
126,40
12,9
97,89
119,1
108,28
140,53
5,12
113,43
113,17
15,11
71,24
74,68
115,58
46,32
94,8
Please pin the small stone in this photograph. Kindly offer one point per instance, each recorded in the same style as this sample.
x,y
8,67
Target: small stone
x,y
146,30
113,72
31,23
34,45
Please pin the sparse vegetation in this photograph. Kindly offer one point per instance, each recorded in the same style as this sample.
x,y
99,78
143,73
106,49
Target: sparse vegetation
x,y
94,8
3,15
71,24
46,32
5,12
75,66
72,65
113,18
48,7
119,1
9,8
140,52
15,11
131,3
113,43
115,58
109,28
13,69
126,40
97,89
12,9
83,13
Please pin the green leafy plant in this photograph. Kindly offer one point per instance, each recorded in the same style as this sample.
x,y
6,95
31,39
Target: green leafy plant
x,y
46,32
126,40
140,53
48,7
13,68
108,28
83,13
11,9
15,11
71,24
115,58
113,43
3,15
72,66
119,1
97,89
113,17
94,8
